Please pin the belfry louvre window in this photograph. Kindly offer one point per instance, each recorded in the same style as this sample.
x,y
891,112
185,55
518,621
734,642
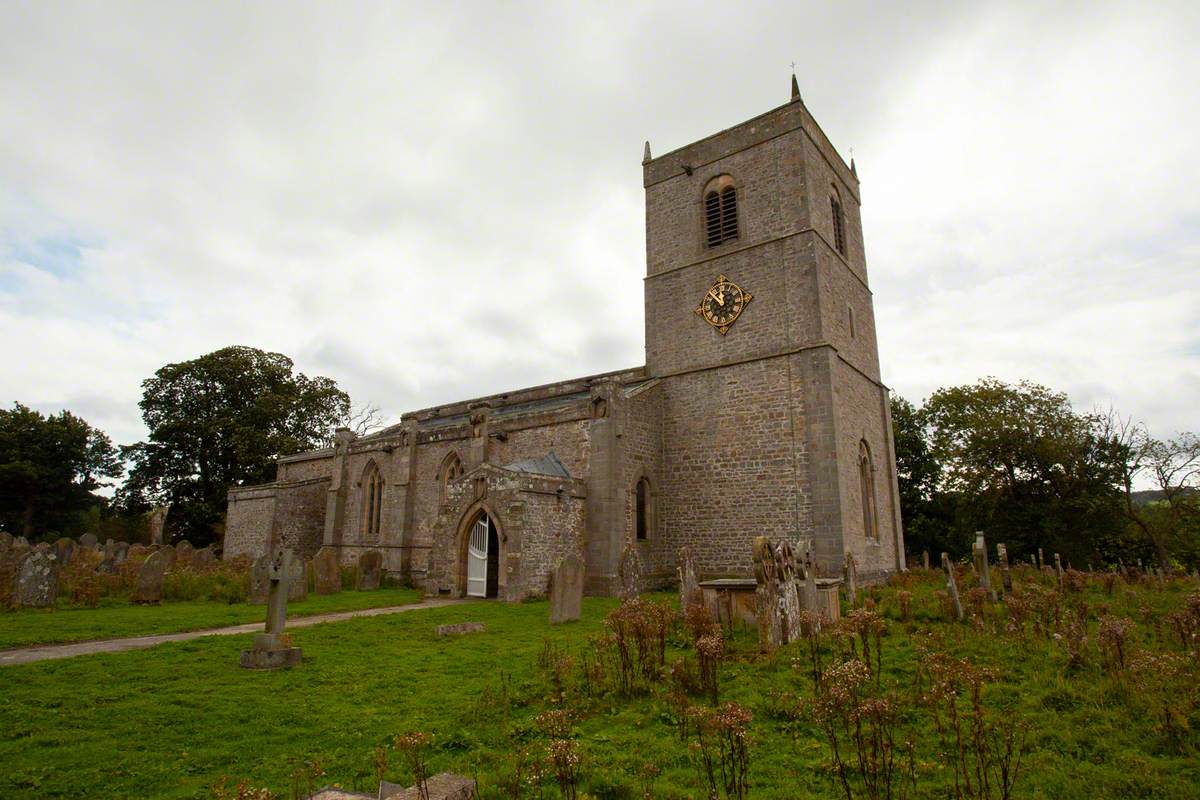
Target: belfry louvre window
x,y
373,505
839,228
720,211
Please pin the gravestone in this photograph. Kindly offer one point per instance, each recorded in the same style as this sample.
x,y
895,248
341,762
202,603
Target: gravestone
x,y
777,609
925,559
1005,574
260,580
170,555
120,552
137,553
566,590
158,519
24,543
150,578
204,558
630,572
327,571
297,581
43,547
689,580
64,550
979,551
1058,569
460,628
273,648
37,580
183,554
6,543
952,585
88,540
370,570
851,578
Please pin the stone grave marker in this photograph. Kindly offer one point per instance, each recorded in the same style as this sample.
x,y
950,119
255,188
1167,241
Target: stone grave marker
x,y
778,600
1058,569
37,580
204,558
1005,574
979,551
297,581
158,519
183,554
170,555
630,572
6,543
851,578
273,648
328,571
150,578
120,552
566,590
64,549
689,580
925,559
260,580
369,571
460,628
88,540
952,585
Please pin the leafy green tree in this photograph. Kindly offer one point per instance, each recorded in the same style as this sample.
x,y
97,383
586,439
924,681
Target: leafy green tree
x,y
927,512
50,468
222,420
1027,468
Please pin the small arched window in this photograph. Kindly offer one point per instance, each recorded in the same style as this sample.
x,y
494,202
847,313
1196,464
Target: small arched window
x,y
866,477
642,510
372,502
452,467
720,211
839,224
850,319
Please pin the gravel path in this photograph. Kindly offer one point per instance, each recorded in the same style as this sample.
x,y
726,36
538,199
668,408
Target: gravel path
x,y
47,652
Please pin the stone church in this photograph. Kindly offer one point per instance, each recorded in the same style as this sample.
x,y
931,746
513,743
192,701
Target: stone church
x,y
759,410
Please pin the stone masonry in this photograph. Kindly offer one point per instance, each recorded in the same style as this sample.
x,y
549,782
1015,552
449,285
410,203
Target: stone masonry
x,y
771,429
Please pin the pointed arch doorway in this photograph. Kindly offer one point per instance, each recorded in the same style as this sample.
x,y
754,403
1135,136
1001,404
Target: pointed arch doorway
x,y
483,558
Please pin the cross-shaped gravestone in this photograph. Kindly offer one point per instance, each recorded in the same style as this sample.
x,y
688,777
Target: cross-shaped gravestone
x,y
273,648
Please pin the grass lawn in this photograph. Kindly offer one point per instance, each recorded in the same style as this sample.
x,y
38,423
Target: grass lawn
x,y
171,721
115,618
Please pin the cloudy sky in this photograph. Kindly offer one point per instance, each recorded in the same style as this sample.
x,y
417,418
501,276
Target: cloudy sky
x,y
432,202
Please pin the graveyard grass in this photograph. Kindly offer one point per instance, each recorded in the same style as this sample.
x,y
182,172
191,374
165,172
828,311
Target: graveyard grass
x,y
171,721
117,617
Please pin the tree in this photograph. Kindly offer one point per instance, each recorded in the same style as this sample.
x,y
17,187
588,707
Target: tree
x,y
1030,471
924,509
49,469
223,420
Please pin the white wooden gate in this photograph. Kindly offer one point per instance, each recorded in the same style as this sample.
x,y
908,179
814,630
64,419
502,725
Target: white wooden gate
x,y
477,559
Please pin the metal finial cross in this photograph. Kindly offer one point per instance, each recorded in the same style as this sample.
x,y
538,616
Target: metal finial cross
x,y
793,67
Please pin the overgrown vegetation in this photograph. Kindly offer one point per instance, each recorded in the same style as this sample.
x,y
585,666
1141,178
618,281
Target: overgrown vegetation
x,y
1024,698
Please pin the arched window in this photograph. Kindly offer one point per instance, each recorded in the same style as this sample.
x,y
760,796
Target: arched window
x,y
839,225
850,319
451,468
372,501
642,510
720,211
866,478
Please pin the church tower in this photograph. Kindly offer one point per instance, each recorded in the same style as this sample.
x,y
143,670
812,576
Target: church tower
x,y
761,329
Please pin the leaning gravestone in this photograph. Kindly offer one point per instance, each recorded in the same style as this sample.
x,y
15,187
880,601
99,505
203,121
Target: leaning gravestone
x,y
328,571
37,580
88,540
297,581
566,590
630,572
183,554
149,587
370,570
260,580
273,648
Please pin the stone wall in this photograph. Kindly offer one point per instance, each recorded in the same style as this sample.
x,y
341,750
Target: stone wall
x,y
248,520
641,454
299,516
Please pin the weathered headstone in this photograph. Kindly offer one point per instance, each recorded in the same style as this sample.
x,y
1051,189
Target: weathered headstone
x,y
1005,574
689,580
158,520
1041,559
328,571
6,543
297,581
260,580
1058,569
273,648
851,578
925,559
37,580
566,590
460,628
370,570
183,554
137,553
204,558
630,571
150,576
170,555
981,565
778,602
120,552
952,585
64,550
443,786
88,540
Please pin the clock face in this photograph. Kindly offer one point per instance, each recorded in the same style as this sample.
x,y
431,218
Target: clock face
x,y
723,304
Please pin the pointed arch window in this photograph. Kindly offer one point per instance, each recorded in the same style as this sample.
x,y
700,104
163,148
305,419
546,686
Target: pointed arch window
x,y
643,510
866,477
720,211
452,467
372,502
839,223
